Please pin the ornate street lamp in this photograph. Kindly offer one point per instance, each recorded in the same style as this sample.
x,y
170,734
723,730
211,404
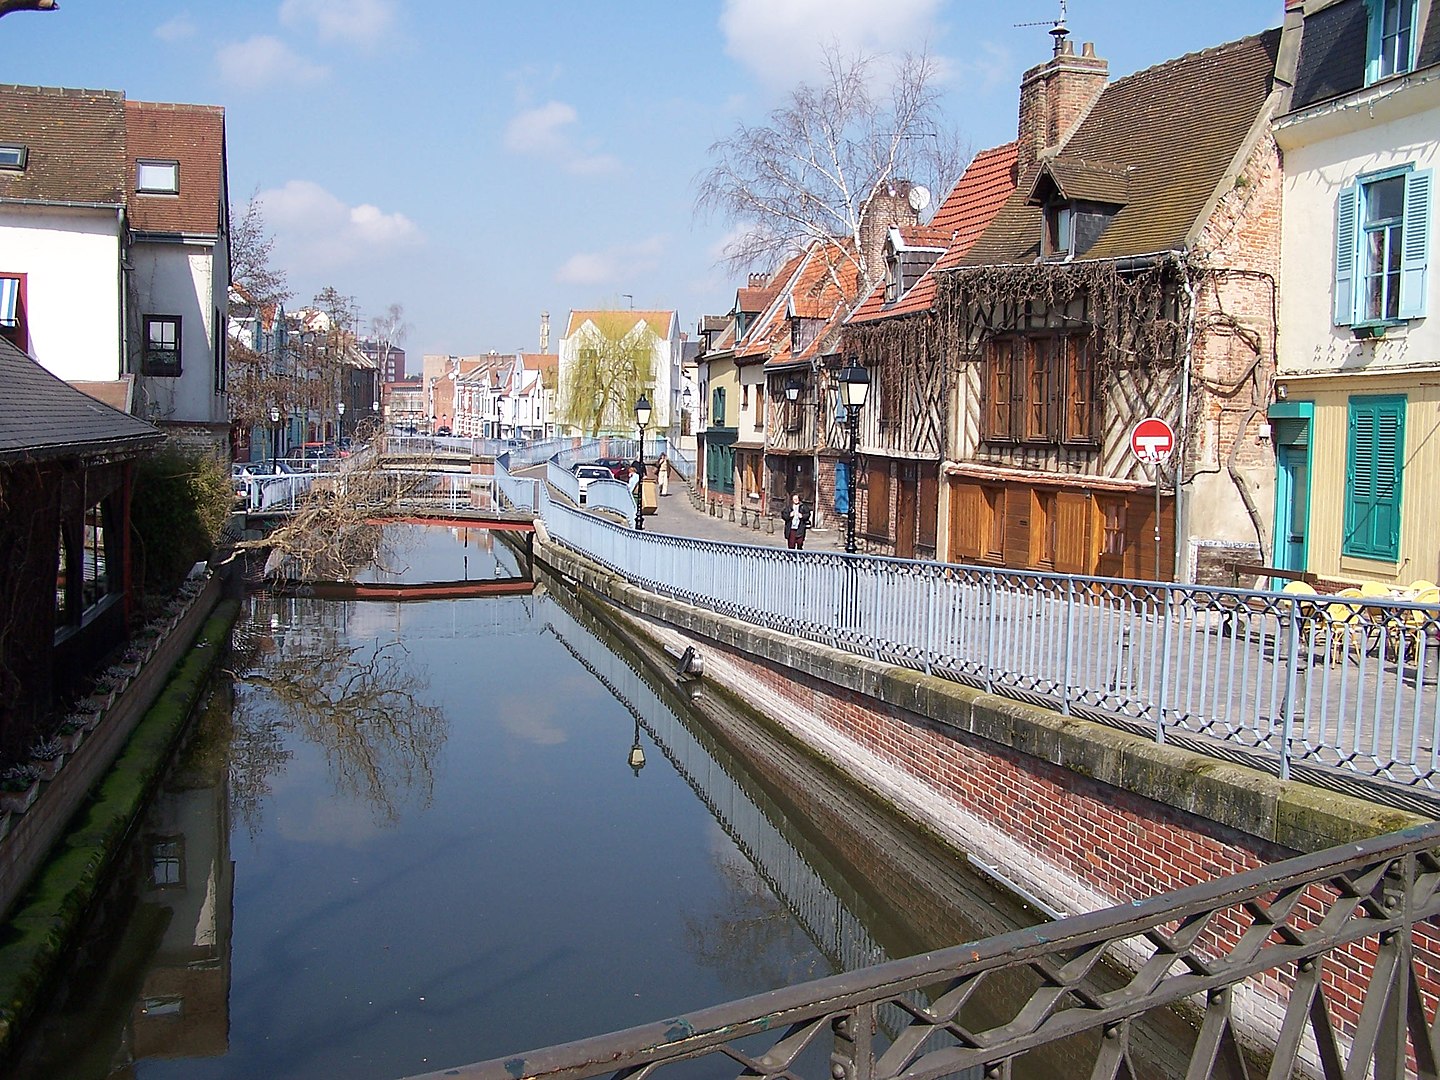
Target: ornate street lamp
x,y
339,425
854,386
274,439
793,386
637,752
642,418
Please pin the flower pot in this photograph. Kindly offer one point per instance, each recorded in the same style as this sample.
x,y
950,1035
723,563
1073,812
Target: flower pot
x,y
48,769
17,802
70,740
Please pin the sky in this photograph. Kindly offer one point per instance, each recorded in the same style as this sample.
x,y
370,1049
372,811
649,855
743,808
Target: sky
x,y
480,162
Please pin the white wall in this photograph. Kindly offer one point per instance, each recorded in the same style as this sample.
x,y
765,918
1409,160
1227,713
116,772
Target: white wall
x,y
179,279
72,262
1326,148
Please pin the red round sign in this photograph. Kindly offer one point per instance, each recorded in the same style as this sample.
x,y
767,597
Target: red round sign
x,y
1152,440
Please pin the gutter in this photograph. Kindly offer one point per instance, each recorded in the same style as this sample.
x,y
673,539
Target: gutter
x,y
67,204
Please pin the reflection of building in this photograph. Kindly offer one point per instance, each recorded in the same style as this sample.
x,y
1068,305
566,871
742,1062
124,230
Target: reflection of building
x,y
187,881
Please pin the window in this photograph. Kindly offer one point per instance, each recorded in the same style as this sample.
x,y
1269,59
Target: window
x,y
1059,230
1390,44
717,407
13,157
1374,465
744,395
993,534
13,324
1041,389
157,177
162,345
1382,242
221,352
1043,523
167,862
1112,517
759,408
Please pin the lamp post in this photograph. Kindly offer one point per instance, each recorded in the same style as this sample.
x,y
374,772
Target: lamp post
x,y
642,418
854,386
339,425
274,440
637,752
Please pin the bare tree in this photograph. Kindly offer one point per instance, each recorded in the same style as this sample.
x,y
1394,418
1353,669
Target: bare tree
x,y
815,170
388,330
615,364
250,251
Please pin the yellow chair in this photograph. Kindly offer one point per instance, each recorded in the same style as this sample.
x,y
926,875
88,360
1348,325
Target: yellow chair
x,y
1349,625
1420,624
1304,612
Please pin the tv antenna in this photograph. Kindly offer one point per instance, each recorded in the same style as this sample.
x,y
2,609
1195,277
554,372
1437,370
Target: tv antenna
x,y
1057,29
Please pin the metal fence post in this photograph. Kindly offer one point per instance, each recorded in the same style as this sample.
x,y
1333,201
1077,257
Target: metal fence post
x,y
990,633
1066,677
930,588
1167,636
1292,677
853,1056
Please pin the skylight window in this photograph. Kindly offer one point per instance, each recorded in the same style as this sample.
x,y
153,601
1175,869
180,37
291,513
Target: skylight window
x,y
13,156
157,177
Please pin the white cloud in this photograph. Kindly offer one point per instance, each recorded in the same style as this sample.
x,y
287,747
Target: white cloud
x,y
177,29
546,132
613,266
355,22
315,230
263,61
781,40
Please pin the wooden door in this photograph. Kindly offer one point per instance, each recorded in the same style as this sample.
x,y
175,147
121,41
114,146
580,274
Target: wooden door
x,y
906,505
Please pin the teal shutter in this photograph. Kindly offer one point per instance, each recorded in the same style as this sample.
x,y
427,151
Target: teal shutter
x,y
1347,212
1374,464
1415,244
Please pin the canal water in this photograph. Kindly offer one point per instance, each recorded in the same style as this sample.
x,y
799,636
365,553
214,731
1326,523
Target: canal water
x,y
408,836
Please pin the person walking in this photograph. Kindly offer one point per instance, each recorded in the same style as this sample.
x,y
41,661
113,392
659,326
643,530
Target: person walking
x,y
633,481
662,476
797,521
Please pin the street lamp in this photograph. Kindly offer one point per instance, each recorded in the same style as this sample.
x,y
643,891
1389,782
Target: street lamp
x,y
854,386
637,752
793,386
340,425
642,418
274,440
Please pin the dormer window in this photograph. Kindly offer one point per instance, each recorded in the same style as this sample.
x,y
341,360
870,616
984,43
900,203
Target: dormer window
x,y
1390,43
157,177
13,157
1059,231
892,278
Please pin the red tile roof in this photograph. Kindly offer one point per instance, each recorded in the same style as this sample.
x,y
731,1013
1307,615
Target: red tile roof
x,y
193,135
75,141
971,205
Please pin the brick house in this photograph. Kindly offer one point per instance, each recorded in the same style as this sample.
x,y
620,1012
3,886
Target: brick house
x,y
1132,273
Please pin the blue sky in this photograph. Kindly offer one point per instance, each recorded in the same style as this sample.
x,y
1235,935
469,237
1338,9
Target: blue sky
x,y
479,162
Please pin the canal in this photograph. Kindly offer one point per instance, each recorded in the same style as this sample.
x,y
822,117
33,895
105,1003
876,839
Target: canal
x,y
411,835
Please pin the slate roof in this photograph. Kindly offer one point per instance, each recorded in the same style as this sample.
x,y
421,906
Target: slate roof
x,y
75,141
193,135
1332,51
44,418
1175,128
977,196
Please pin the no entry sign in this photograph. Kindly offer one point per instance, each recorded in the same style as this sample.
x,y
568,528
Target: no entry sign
x,y
1152,440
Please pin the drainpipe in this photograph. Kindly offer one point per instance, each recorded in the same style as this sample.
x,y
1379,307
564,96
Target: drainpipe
x,y
1181,545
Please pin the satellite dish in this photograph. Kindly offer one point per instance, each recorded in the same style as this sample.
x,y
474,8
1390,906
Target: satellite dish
x,y
919,198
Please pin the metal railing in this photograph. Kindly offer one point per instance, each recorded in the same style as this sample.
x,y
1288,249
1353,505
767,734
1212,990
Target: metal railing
x,y
1315,936
680,462
442,491
1327,682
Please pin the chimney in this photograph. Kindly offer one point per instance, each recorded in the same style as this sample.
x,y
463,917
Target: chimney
x,y
890,205
757,281
1055,96
544,331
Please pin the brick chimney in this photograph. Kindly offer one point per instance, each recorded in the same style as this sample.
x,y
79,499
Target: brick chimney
x,y
1056,95
890,205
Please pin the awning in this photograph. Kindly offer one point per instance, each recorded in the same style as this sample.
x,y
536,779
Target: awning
x,y
9,302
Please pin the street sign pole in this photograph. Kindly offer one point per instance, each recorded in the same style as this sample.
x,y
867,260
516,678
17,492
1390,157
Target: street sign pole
x,y
1152,440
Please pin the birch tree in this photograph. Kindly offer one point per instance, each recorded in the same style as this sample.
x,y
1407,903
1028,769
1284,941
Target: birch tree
x,y
870,127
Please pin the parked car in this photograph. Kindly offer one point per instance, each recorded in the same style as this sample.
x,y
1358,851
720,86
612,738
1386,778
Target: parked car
x,y
588,474
442,431
619,467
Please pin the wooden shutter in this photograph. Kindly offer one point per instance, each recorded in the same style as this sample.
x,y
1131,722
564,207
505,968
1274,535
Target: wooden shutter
x,y
1072,532
877,501
1346,248
1373,475
929,504
967,517
1415,244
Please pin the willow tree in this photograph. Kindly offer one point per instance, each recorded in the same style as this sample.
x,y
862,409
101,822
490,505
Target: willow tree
x,y
612,364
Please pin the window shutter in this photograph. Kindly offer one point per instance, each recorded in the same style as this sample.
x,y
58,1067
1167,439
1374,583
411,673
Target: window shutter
x,y
1346,215
1415,244
1373,474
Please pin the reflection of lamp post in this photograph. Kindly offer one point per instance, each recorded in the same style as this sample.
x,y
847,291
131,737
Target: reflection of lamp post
x,y
340,425
854,385
642,418
637,752
274,439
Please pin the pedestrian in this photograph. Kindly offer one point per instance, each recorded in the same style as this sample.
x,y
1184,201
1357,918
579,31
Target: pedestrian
x,y
633,482
797,520
662,476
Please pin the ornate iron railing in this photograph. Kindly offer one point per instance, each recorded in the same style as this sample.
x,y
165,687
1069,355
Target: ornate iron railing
x,y
1345,686
1329,947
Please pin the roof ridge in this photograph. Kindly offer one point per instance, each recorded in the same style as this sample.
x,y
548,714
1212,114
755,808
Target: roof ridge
x,y
1187,57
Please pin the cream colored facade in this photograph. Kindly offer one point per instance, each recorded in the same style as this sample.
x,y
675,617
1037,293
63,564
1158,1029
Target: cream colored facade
x,y
1324,370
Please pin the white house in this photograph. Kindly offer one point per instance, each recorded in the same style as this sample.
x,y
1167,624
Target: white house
x,y
584,341
114,246
1358,374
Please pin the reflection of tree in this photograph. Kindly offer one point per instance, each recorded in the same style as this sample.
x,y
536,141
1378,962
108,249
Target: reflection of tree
x,y
751,940
361,704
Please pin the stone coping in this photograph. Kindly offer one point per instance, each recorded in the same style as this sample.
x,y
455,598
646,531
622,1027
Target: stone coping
x,y
1289,813
37,936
